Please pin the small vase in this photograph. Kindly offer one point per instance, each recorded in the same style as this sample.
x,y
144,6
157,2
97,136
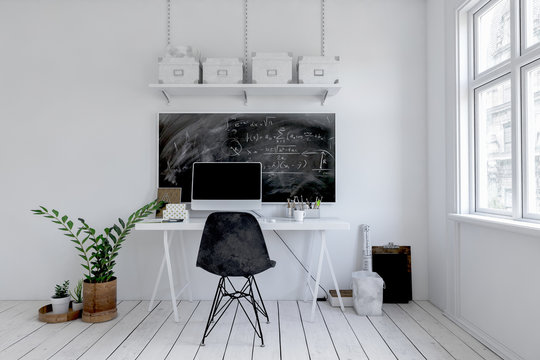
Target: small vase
x,y
99,301
75,306
60,305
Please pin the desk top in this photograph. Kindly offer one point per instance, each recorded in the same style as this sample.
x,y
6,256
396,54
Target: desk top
x,y
271,223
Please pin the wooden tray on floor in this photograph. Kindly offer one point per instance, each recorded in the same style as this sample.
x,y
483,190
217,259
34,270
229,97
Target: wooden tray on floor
x,y
45,314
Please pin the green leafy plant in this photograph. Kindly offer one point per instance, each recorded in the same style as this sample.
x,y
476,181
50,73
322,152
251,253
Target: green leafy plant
x,y
77,292
61,291
98,251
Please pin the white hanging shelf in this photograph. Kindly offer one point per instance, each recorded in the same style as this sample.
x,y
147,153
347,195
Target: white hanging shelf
x,y
245,90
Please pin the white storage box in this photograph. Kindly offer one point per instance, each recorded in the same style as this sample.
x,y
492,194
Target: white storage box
x,y
179,70
318,69
367,292
271,68
222,71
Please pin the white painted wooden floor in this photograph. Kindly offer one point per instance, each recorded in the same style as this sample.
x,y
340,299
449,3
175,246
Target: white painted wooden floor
x,y
416,330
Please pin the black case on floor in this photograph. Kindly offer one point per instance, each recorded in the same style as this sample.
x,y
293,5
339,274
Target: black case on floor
x,y
393,265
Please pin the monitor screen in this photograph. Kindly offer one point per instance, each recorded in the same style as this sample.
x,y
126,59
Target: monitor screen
x,y
226,185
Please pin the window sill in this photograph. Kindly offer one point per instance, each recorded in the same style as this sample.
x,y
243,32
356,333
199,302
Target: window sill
x,y
511,225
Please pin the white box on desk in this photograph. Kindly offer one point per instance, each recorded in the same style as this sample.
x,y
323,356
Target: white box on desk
x,y
271,68
222,71
178,70
318,69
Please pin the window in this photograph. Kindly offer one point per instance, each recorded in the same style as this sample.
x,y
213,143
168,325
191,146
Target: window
x,y
503,84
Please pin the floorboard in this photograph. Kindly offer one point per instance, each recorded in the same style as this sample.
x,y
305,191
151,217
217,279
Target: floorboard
x,y
458,332
240,344
134,344
319,342
107,344
345,341
370,339
187,344
271,349
216,342
166,336
417,330
423,341
293,340
457,348
400,345
88,337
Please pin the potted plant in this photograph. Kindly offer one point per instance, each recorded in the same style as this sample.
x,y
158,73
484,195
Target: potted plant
x,y
99,252
77,303
60,299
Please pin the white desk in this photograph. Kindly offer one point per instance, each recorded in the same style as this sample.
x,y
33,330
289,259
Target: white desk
x,y
267,224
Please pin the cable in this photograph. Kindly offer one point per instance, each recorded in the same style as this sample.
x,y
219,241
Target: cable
x,y
300,262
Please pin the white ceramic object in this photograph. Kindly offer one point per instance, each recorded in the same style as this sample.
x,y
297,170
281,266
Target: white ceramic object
x,y
299,215
60,305
76,306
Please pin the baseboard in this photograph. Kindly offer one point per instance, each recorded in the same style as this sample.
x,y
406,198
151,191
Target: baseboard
x,y
491,343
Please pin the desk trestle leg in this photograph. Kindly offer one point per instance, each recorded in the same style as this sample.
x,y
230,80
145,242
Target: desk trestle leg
x,y
322,253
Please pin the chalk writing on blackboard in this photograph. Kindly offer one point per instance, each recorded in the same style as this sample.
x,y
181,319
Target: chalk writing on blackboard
x,y
297,151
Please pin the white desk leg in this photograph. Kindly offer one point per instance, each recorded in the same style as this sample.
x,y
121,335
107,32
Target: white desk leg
x,y
151,305
318,277
333,275
308,274
186,269
169,270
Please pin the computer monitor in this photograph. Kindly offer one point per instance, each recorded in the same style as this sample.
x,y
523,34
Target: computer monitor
x,y
226,186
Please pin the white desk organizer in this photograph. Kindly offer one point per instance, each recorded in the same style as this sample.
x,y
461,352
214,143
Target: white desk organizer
x,y
318,69
175,211
271,68
222,71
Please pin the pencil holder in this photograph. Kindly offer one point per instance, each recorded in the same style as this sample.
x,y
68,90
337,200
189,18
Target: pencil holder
x,y
289,212
313,213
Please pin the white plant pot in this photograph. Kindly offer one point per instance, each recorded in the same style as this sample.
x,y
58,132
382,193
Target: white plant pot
x,y
76,306
60,305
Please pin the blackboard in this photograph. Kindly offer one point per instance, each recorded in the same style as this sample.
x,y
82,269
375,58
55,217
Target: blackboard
x,y
297,151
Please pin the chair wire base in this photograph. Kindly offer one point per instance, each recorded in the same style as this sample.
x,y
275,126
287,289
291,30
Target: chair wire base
x,y
220,306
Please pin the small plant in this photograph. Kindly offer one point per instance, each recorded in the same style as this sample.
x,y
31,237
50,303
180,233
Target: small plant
x,y
98,251
61,291
77,292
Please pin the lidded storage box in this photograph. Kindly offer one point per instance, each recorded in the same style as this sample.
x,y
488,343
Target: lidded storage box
x,y
318,69
222,71
180,65
271,68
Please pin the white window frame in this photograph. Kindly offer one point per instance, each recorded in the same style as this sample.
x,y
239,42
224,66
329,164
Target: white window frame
x,y
469,84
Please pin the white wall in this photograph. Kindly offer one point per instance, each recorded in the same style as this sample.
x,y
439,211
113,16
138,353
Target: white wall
x,y
77,127
489,281
436,146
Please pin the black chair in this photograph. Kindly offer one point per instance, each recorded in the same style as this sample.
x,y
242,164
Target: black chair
x,y
232,244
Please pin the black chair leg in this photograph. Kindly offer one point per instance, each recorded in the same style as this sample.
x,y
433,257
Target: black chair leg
x,y
213,310
251,279
264,312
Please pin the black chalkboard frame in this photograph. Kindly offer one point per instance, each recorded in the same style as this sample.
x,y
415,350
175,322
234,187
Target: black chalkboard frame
x,y
326,200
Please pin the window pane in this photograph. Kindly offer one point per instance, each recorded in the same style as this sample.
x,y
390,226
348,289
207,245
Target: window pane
x,y
532,11
532,140
494,148
493,35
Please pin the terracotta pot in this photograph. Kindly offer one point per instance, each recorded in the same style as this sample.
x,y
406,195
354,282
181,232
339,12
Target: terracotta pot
x,y
99,301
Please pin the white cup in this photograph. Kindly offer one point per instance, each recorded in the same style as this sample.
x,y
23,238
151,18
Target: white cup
x,y
299,215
